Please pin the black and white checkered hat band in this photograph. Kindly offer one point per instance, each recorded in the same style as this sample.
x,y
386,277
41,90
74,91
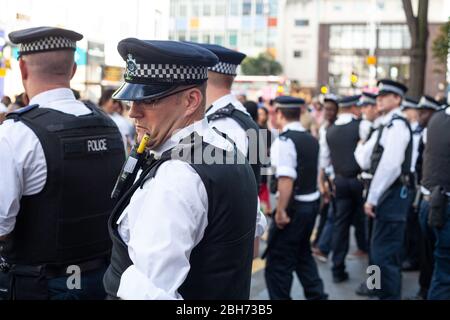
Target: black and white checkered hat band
x,y
390,88
408,104
47,44
366,100
224,68
166,72
288,106
348,104
425,103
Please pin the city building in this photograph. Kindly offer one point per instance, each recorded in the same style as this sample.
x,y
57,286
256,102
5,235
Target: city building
x,y
103,24
345,45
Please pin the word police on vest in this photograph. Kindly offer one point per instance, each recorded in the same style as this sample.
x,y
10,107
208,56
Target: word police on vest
x,y
97,145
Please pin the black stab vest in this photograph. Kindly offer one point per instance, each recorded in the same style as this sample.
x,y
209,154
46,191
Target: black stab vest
x,y
307,149
255,150
66,222
436,160
220,265
342,141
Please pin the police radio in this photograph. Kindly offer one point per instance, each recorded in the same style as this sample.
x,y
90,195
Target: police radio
x,y
131,167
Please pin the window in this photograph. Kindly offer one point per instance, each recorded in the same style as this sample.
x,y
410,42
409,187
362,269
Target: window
x,y
260,38
206,9
259,7
247,7
246,39
183,10
206,38
218,40
220,8
195,10
182,36
297,54
172,9
232,38
273,8
194,37
394,37
301,23
350,37
234,7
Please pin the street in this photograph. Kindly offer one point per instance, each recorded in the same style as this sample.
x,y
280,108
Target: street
x,y
343,291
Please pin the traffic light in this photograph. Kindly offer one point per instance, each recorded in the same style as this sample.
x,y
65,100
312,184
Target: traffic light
x,y
354,78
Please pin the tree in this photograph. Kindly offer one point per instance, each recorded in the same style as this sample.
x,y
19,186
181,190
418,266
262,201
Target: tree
x,y
441,44
263,65
418,29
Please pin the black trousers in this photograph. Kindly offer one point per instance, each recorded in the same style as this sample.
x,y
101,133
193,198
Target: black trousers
x,y
349,210
426,248
290,252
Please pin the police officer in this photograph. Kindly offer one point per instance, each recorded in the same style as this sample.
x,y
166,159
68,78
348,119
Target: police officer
x,y
294,154
185,229
230,117
370,124
426,108
341,141
224,111
322,242
436,191
389,194
411,108
60,158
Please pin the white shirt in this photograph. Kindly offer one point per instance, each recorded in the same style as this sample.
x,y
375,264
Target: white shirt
x,y
24,169
283,156
363,151
236,133
324,154
228,125
394,140
164,221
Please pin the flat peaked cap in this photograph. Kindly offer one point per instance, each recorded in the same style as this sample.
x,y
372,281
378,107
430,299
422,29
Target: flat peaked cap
x,y
386,86
229,59
156,67
288,102
349,101
41,39
366,99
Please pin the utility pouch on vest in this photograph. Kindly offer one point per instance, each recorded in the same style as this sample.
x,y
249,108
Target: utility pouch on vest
x,y
438,208
29,283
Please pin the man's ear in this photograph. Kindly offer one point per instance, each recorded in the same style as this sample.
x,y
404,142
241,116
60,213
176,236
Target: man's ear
x,y
74,69
23,69
193,99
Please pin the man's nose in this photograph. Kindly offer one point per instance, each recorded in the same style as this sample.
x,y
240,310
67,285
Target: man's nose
x,y
135,110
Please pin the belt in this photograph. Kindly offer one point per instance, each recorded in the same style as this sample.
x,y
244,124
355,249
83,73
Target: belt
x,y
427,197
53,271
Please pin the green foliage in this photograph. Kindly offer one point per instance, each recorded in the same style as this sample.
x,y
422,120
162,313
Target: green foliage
x,y
263,65
441,44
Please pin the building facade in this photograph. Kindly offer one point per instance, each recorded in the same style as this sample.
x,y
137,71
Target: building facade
x,y
345,45
250,26
103,24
